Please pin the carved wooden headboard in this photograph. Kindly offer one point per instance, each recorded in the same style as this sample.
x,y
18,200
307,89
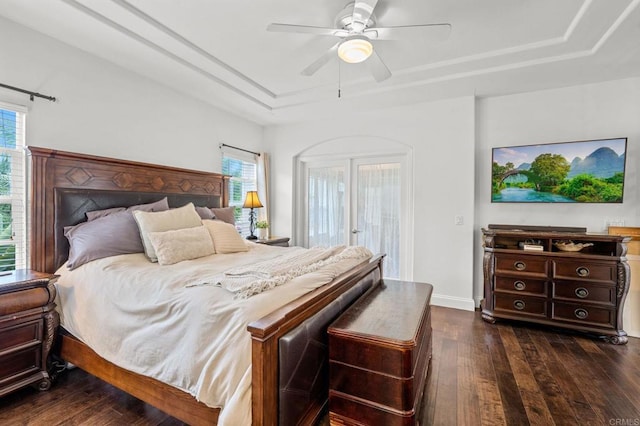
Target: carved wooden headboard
x,y
65,185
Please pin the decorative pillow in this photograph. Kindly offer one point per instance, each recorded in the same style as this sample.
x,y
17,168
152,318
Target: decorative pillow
x,y
180,218
225,214
225,237
103,237
205,212
181,244
157,206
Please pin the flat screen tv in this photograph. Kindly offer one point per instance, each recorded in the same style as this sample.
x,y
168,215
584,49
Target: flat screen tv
x,y
569,172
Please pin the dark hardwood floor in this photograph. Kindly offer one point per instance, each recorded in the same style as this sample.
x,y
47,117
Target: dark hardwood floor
x,y
481,374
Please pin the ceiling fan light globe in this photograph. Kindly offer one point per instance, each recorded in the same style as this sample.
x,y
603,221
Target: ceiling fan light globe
x,y
354,50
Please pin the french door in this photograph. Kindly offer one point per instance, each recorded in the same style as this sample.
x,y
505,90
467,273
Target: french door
x,y
358,201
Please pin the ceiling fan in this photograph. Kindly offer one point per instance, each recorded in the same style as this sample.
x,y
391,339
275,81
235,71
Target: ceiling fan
x,y
355,25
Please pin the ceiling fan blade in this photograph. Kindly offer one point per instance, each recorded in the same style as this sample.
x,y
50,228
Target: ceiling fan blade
x,y
288,28
436,32
378,68
321,61
362,10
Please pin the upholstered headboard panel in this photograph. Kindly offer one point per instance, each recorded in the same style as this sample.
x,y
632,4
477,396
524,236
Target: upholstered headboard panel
x,y
65,185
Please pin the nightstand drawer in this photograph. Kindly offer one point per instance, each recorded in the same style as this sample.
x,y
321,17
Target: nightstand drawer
x,y
20,334
20,301
20,364
275,241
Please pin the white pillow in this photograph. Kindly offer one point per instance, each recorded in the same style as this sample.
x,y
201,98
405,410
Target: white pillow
x,y
225,237
181,244
168,220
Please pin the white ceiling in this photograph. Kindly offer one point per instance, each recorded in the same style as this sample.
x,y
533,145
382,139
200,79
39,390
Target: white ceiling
x,y
220,51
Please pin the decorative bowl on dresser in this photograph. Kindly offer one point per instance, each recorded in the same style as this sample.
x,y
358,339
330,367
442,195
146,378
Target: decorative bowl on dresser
x,y
28,322
379,356
580,290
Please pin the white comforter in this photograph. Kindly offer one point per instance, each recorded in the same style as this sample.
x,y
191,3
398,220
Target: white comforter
x,y
141,316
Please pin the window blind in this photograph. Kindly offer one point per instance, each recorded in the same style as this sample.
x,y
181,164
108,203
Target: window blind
x,y
242,167
13,238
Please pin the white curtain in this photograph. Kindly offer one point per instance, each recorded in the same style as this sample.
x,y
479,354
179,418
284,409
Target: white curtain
x,y
325,207
379,212
263,185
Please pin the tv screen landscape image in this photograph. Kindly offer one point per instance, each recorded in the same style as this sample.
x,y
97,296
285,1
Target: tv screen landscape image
x,y
569,172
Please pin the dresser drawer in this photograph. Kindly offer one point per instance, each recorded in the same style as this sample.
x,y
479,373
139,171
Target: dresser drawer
x,y
527,264
576,269
584,292
20,334
521,285
521,304
584,314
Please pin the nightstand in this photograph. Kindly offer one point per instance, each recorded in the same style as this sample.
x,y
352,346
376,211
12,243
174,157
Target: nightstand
x,y
28,323
275,241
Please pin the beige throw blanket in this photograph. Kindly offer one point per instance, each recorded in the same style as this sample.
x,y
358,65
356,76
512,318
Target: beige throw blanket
x,y
247,281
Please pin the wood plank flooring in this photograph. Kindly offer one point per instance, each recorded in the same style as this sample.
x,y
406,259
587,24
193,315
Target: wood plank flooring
x,y
481,374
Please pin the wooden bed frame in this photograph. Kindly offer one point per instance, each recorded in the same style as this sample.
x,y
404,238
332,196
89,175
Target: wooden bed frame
x,y
54,172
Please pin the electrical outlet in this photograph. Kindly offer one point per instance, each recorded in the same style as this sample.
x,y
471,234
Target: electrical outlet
x,y
613,221
458,220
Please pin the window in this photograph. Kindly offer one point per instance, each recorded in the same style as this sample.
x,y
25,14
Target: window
x,y
12,189
243,171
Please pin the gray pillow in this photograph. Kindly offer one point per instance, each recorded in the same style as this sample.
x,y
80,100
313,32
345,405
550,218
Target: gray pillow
x,y
106,236
205,213
156,206
225,214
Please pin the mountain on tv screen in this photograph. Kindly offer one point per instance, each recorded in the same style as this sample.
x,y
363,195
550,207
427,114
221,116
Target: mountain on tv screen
x,y
570,172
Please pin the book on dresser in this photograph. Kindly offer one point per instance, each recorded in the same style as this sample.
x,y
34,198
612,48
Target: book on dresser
x,y
575,279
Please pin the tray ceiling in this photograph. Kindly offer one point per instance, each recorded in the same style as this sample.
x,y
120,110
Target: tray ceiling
x,y
219,50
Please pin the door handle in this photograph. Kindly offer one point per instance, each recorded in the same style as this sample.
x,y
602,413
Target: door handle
x,y
355,231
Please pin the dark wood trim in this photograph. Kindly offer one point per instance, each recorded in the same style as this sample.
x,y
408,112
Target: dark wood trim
x,y
171,400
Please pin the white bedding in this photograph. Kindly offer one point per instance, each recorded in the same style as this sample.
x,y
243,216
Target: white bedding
x,y
140,316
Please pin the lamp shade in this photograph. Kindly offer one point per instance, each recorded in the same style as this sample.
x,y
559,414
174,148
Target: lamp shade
x,y
252,201
355,49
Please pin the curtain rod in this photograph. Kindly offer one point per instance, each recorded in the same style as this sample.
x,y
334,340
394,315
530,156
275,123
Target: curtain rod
x,y
29,92
239,149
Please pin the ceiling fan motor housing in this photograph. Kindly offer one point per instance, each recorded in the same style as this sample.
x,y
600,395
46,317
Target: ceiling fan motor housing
x,y
344,19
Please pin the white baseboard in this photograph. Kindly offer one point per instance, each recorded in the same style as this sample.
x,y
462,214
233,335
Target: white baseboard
x,y
453,302
633,333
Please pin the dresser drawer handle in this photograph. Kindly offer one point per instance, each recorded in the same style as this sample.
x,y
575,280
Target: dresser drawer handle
x,y
582,292
519,285
519,304
581,313
582,271
520,265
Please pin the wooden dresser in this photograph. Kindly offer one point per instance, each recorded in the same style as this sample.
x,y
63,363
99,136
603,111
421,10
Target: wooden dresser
x,y
581,290
379,356
27,328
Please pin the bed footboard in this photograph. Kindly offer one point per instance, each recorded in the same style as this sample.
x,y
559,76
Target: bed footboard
x,y
278,338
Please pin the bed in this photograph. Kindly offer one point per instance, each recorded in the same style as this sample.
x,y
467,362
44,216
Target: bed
x,y
288,350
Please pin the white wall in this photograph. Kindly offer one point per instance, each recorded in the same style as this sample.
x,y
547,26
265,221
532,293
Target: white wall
x,y
594,111
441,137
106,110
